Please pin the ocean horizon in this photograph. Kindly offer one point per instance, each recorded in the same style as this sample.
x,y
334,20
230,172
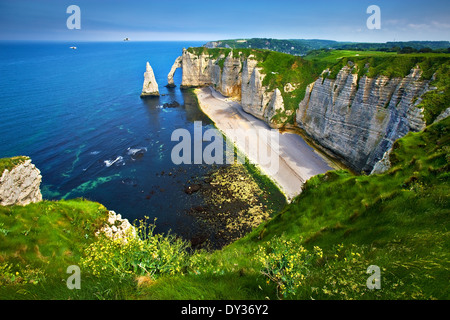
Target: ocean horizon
x,y
79,116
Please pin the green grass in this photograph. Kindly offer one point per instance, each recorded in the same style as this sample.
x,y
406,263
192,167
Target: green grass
x,y
42,239
303,46
398,221
9,163
436,101
48,230
331,57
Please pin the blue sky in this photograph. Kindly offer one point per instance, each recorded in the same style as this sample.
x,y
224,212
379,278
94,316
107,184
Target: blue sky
x,y
109,20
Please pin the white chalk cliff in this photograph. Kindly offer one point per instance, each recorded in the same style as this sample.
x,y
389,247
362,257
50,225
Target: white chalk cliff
x,y
150,86
356,119
177,64
234,76
20,185
359,119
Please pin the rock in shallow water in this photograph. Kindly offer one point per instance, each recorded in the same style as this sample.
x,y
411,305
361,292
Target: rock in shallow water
x,y
192,188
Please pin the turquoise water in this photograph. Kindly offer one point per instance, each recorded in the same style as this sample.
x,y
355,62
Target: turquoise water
x,y
78,115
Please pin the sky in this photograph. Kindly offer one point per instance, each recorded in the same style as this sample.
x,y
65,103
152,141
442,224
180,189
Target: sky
x,y
201,20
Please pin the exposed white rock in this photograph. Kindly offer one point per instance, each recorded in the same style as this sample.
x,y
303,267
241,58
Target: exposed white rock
x,y
276,105
230,82
443,115
233,76
360,120
177,64
383,165
117,228
150,86
21,185
289,87
197,70
252,88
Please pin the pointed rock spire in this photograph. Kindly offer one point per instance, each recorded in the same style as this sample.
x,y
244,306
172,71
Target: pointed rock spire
x,y
150,87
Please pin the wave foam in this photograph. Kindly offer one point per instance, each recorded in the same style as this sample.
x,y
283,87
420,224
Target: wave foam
x,y
109,163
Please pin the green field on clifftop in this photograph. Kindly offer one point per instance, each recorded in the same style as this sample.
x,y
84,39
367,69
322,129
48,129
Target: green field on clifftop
x,y
279,69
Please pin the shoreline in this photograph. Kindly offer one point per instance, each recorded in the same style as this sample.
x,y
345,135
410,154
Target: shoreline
x,y
297,160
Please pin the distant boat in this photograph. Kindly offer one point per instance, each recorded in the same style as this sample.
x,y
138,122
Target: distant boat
x,y
74,48
126,39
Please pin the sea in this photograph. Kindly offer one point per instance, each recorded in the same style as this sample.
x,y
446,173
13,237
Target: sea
x,y
79,116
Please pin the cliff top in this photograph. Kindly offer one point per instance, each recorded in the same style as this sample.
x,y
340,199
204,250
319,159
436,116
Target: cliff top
x,y
10,163
304,46
282,70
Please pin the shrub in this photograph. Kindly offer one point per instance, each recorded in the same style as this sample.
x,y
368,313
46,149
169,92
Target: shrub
x,y
144,254
10,274
286,263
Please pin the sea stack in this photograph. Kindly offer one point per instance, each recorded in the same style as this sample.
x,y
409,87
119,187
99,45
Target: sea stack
x,y
150,87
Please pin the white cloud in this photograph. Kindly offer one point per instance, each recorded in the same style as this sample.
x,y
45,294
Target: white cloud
x,y
418,26
440,25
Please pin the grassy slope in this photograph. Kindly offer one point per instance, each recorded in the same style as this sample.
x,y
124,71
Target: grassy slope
x,y
398,220
42,240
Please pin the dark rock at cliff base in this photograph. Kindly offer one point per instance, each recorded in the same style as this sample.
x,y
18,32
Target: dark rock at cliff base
x,y
138,155
208,180
198,209
149,95
173,104
192,188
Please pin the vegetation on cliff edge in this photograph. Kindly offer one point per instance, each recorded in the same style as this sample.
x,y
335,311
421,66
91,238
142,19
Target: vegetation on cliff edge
x,y
10,163
319,246
281,69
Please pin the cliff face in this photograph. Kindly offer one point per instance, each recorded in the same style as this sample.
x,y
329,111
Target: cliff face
x,y
359,119
234,76
20,185
354,116
177,64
